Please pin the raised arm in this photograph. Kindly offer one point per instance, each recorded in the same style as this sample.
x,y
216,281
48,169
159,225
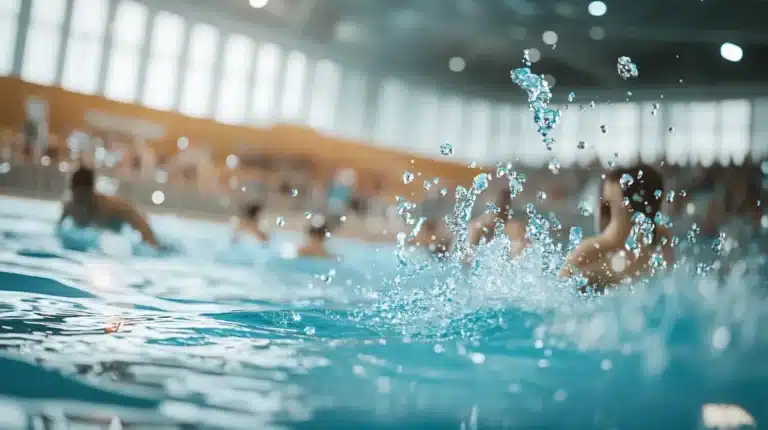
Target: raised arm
x,y
66,210
132,217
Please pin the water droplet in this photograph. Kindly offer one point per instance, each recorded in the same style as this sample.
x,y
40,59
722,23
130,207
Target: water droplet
x,y
592,104
606,365
407,177
657,194
436,181
539,96
541,196
581,144
294,192
584,208
5,167
626,181
307,215
629,93
446,149
604,129
626,68
571,96
480,183
554,166
477,357
721,338
574,237
671,129
280,221
309,330
472,165
560,395
444,192
670,196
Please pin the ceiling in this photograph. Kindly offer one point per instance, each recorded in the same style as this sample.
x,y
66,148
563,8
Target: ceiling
x,y
673,42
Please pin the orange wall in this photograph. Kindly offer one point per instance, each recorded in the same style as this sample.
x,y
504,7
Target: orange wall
x,y
67,113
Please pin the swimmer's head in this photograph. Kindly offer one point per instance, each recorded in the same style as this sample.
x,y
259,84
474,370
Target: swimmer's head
x,y
82,185
252,212
625,191
318,227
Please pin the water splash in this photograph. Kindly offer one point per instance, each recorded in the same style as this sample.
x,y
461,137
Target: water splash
x,y
626,68
539,97
446,149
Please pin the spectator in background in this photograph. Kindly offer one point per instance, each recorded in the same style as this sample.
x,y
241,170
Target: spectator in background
x,y
317,234
249,224
88,208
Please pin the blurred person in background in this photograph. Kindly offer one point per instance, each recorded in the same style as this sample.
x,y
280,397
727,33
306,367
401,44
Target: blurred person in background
x,y
734,207
481,229
340,191
604,259
249,225
317,234
88,208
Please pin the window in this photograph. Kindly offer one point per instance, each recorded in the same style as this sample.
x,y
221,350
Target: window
x,y
506,138
622,133
451,118
392,96
235,82
82,61
651,130
293,90
678,135
353,105
41,52
427,122
9,25
197,91
478,132
736,120
128,38
266,79
325,95
704,135
163,63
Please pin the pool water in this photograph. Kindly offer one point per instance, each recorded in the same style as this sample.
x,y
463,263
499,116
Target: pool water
x,y
222,338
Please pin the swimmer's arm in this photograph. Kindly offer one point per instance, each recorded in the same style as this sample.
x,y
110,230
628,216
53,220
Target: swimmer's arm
x,y
585,258
518,236
66,210
133,218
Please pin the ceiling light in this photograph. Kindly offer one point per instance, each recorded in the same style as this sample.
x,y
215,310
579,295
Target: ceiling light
x,y
597,8
457,64
731,52
549,37
258,4
596,33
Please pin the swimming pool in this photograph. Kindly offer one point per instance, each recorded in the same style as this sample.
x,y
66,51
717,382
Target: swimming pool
x,y
195,340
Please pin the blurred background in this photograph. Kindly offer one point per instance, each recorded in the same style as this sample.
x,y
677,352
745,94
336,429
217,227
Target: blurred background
x,y
199,107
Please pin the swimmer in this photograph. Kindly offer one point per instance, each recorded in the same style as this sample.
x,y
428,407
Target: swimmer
x,y
248,224
317,234
88,208
605,259
482,229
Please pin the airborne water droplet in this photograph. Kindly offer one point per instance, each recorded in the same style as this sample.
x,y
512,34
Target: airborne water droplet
x,y
280,221
626,180
626,68
407,177
541,196
585,208
444,192
571,96
554,166
581,144
446,149
480,183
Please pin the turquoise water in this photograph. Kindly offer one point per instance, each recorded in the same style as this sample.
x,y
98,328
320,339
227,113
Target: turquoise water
x,y
220,338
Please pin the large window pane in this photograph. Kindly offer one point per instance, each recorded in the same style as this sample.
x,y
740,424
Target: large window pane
x,y
293,91
41,53
325,94
9,24
392,95
353,105
196,94
163,64
479,131
451,120
235,83
84,50
128,37
266,78
425,128
736,120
